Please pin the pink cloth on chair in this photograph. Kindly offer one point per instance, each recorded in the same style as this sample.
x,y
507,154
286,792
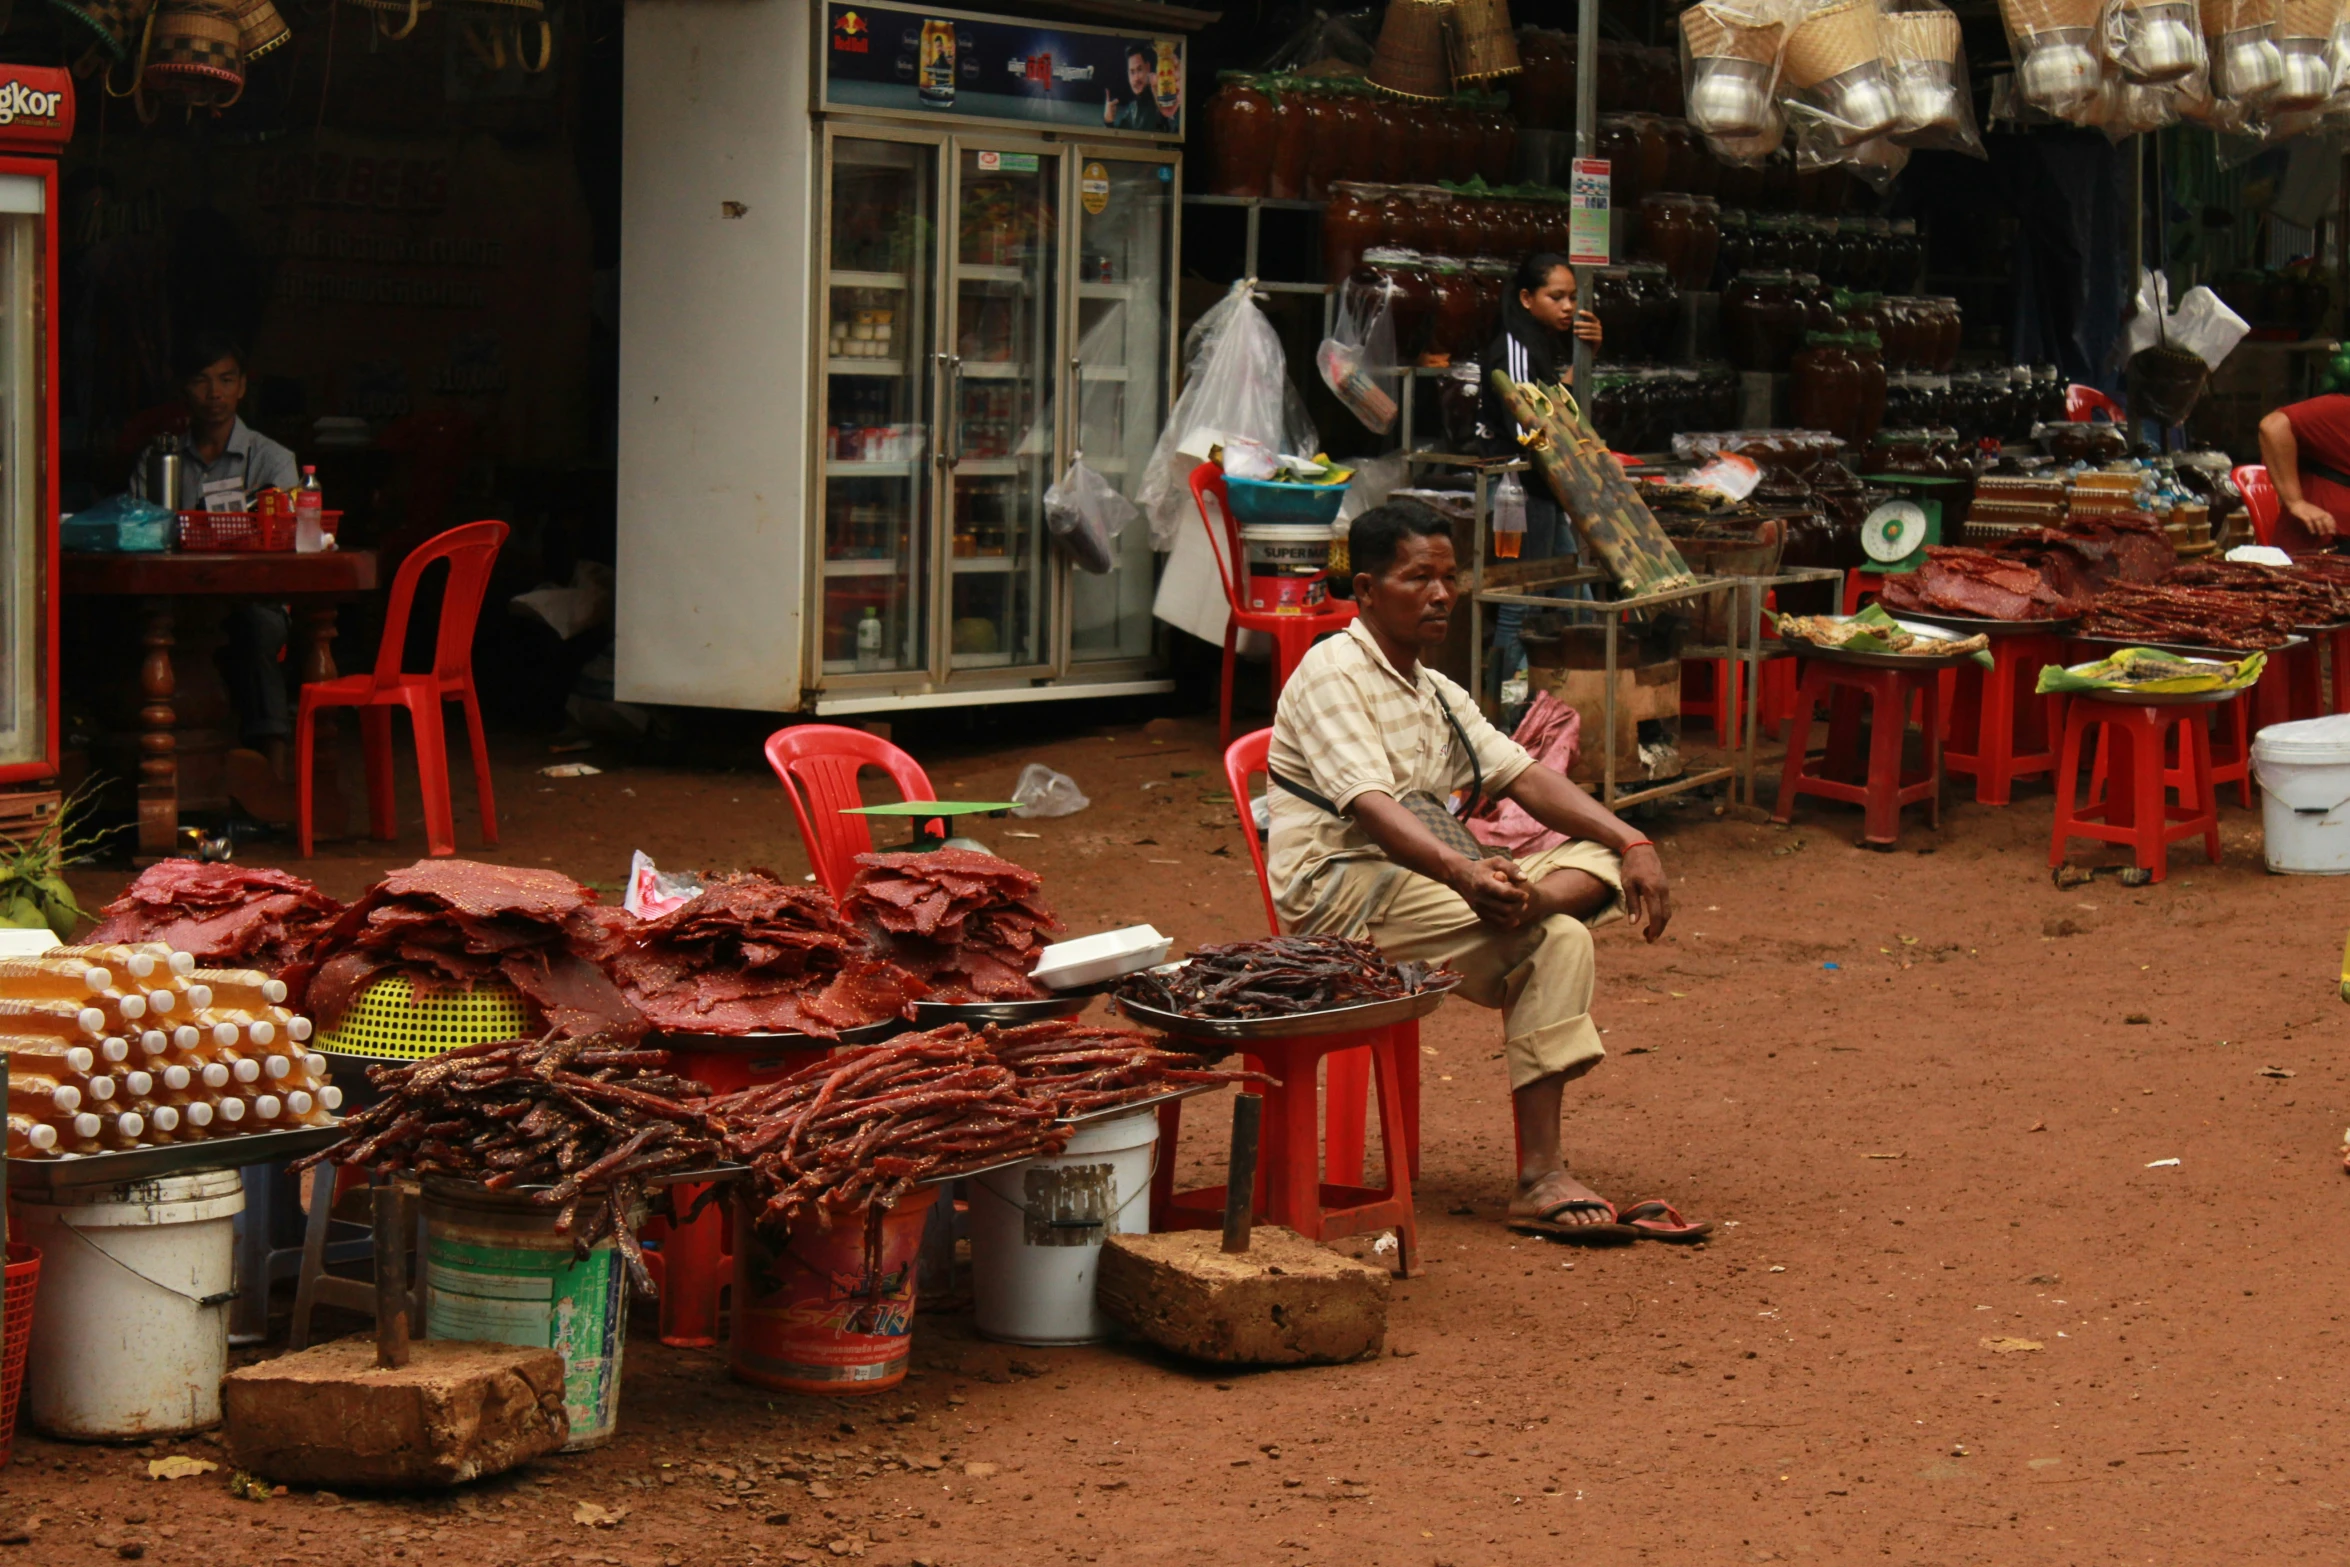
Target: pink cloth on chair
x,y
1551,732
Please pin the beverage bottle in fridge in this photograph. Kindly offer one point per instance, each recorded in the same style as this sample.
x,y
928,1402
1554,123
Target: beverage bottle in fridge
x,y
869,641
29,1138
309,514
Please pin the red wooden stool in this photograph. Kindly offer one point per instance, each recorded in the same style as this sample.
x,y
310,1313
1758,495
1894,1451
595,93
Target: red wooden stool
x,y
2000,730
695,1261
1882,790
2134,811
1290,1190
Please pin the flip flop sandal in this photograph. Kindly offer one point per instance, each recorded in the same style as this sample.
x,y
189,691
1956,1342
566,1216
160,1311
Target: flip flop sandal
x,y
1610,1233
1658,1220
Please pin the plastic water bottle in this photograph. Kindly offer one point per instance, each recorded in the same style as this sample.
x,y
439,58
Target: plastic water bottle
x,y
869,641
309,515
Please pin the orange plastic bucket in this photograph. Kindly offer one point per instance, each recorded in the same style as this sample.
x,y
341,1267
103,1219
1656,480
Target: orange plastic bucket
x,y
812,1316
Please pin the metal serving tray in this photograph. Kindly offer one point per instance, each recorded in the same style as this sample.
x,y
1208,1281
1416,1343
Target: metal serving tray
x,y
1337,1020
760,1044
149,1164
1883,660
937,1014
1970,625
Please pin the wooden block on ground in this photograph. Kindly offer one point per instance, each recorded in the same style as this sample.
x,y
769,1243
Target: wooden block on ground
x,y
456,1412
1285,1301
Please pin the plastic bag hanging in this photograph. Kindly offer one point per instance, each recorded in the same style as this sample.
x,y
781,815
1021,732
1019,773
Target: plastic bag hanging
x,y
1358,359
1730,67
1085,515
2247,68
2304,34
1236,382
1832,73
2154,43
2057,67
1926,59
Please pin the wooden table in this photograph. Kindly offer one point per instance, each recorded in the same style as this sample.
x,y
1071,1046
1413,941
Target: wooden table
x,y
313,584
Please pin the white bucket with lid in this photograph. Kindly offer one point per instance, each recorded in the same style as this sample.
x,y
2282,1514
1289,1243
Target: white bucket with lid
x,y
2304,773
1285,546
131,1338
1037,1231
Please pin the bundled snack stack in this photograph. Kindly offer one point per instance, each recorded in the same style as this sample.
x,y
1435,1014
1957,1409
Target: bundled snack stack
x,y
117,1046
965,923
580,1125
752,955
227,914
448,925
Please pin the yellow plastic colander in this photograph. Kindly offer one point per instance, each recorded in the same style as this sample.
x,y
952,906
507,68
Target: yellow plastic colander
x,y
390,1021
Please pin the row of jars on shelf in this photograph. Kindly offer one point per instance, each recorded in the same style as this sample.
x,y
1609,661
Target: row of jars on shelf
x,y
1654,152
1293,137
1430,220
2003,403
1766,312
1639,410
1631,76
1839,385
1445,309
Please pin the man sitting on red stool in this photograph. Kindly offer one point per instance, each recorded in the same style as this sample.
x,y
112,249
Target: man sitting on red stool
x,y
2307,448
1368,745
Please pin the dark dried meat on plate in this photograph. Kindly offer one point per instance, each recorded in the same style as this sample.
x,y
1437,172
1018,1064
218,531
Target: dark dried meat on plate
x,y
227,915
449,925
754,955
969,924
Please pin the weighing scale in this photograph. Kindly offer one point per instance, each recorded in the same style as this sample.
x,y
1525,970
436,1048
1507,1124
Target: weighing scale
x,y
924,811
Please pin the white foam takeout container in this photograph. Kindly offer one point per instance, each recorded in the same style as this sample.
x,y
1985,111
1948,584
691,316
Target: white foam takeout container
x,y
1089,960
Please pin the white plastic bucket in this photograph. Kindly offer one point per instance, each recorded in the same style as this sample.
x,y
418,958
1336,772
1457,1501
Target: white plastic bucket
x,y
1272,546
2304,773
1037,1231
132,1336
497,1272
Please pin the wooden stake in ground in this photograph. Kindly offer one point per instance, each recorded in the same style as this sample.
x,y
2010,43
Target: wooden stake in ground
x,y
1245,1297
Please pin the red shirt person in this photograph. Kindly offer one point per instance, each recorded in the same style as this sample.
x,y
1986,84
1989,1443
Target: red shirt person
x,y
2307,448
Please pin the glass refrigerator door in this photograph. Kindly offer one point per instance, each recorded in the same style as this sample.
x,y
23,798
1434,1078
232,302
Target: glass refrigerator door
x,y
24,652
879,304
1120,366
1001,435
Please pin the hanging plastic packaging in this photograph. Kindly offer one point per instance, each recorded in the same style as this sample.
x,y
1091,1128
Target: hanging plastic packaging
x,y
1236,383
1832,73
2057,67
2247,68
1926,59
1085,515
1357,359
2154,43
1509,517
2304,34
1730,66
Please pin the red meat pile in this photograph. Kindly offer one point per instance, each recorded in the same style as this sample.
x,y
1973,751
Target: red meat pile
x,y
752,955
448,925
1978,585
969,924
227,915
2082,559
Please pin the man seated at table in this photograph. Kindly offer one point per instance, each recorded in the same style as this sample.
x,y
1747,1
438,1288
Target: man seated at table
x,y
227,464
1368,744
2307,448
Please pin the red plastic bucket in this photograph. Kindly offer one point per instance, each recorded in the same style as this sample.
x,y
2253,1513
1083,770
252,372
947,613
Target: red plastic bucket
x,y
811,1317
24,1276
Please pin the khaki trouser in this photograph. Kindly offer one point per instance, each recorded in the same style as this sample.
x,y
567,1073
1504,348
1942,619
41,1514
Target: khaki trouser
x,y
1540,977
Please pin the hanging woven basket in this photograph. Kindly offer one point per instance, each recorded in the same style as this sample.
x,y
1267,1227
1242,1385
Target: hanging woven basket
x,y
259,27
195,55
1488,45
496,30
394,18
112,25
1414,57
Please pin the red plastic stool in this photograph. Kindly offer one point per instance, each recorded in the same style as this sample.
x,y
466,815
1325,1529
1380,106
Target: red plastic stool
x,y
1882,790
2007,731
1290,1190
2134,811
1346,1091
695,1261
2305,677
2231,757
1714,697
1860,587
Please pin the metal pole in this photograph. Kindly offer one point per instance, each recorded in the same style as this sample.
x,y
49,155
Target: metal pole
x,y
1586,146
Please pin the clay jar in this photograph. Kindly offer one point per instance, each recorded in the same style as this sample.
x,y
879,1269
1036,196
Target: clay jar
x,y
1684,233
1660,310
1762,320
1497,140
1455,313
1619,143
1825,384
1326,140
1615,299
1240,132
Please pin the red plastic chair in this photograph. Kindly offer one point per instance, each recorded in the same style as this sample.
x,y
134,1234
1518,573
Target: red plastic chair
x,y
817,765
2260,500
1292,634
1244,758
470,550
2082,402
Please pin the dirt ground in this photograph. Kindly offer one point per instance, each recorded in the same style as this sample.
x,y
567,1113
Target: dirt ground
x,y
2032,1233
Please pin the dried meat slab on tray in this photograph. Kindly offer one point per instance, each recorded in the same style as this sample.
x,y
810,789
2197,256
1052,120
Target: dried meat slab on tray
x,y
968,924
448,925
227,915
2182,616
753,955
1978,585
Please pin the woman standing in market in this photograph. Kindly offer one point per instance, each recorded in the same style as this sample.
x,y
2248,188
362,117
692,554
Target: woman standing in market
x,y
1539,324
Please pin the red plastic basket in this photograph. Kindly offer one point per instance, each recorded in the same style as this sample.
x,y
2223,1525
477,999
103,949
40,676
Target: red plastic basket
x,y
24,1275
245,530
